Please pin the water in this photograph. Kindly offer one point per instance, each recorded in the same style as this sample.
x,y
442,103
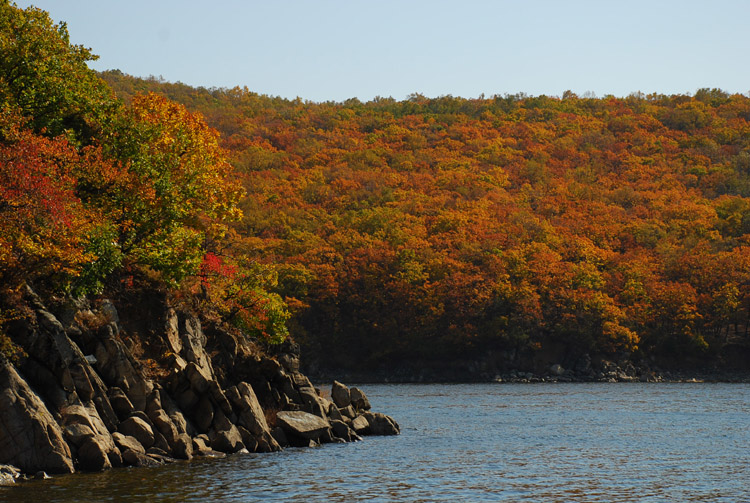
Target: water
x,y
480,442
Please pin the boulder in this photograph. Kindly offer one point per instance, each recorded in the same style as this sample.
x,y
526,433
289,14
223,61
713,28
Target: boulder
x,y
138,428
228,440
340,395
203,414
302,424
359,400
30,438
201,444
183,447
92,455
278,434
8,475
251,414
380,424
313,403
77,433
126,442
341,430
120,402
360,424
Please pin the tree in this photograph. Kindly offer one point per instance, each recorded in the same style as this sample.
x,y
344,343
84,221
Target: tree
x,y
46,78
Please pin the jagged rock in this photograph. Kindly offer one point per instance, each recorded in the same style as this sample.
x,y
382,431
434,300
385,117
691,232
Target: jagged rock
x,y
188,399
183,447
360,424
193,342
172,327
313,402
158,454
203,415
302,424
199,378
8,475
348,412
219,398
251,414
340,395
116,366
126,442
92,455
334,413
289,362
224,435
228,441
138,428
251,443
132,458
341,430
153,403
380,424
201,444
161,443
120,402
165,426
30,439
278,434
77,433
359,400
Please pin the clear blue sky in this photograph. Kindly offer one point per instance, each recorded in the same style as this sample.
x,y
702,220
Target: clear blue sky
x,y
333,50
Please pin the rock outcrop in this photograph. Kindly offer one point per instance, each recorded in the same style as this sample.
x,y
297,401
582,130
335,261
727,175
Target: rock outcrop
x,y
81,400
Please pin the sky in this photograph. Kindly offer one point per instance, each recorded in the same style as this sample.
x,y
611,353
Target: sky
x,y
333,50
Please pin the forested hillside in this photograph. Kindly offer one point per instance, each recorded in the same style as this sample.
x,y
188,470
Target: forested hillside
x,y
524,230
96,194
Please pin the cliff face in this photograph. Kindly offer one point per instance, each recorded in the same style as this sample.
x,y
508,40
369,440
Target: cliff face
x,y
89,396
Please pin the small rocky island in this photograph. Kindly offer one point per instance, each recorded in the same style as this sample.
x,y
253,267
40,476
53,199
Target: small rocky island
x,y
91,391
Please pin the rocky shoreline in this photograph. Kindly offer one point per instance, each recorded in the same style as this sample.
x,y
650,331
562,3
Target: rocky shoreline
x,y
85,396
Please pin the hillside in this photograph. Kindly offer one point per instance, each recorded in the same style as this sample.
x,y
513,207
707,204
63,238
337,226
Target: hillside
x,y
476,236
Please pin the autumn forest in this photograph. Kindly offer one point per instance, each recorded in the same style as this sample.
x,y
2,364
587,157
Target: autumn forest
x,y
528,230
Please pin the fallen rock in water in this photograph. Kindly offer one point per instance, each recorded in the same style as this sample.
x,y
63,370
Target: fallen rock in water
x,y
8,475
380,424
302,424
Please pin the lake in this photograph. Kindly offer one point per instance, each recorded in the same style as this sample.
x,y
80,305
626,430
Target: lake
x,y
626,442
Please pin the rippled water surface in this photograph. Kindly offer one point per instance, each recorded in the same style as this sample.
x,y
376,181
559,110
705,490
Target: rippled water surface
x,y
480,442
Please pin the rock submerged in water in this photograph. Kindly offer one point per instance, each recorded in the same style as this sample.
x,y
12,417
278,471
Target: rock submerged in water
x,y
101,411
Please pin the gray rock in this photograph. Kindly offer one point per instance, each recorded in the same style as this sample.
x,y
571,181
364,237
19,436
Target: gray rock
x,y
30,438
359,400
380,424
77,433
278,434
92,456
557,369
138,428
341,430
251,414
8,475
228,441
203,414
340,395
360,424
302,424
126,442
121,404
201,444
